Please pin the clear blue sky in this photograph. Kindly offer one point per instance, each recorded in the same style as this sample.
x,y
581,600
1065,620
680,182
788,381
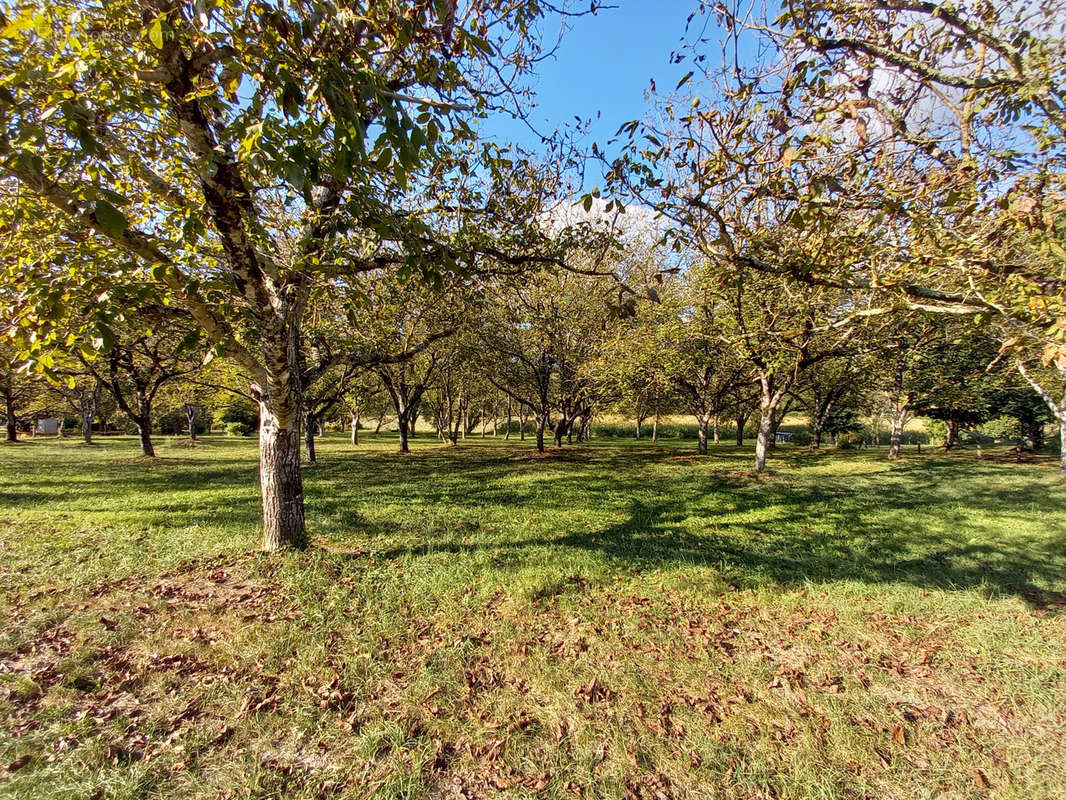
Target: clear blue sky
x,y
604,65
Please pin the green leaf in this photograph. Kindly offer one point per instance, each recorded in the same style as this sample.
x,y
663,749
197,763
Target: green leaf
x,y
103,338
188,342
683,81
110,218
155,33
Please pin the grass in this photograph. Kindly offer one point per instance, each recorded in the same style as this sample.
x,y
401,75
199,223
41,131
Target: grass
x,y
618,620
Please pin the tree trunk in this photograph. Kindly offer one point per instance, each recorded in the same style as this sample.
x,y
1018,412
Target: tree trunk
x,y
1062,445
404,447
191,412
12,420
897,434
381,421
768,420
952,437
542,422
355,429
280,479
144,431
762,441
655,428
309,436
717,438
741,420
412,418
701,446
507,433
560,429
816,434
87,427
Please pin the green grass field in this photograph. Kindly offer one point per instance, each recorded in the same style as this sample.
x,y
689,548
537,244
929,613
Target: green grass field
x,y
619,620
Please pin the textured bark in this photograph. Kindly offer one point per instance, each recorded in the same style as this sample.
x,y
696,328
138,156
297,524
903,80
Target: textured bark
x,y
898,423
355,428
701,446
192,410
86,403
717,436
655,428
144,431
742,420
1062,445
542,422
280,479
769,419
952,437
762,441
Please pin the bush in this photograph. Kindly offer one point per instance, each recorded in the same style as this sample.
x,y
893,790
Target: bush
x,y
849,441
937,429
802,438
244,414
238,429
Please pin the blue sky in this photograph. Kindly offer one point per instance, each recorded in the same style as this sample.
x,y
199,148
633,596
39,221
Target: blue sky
x,y
604,65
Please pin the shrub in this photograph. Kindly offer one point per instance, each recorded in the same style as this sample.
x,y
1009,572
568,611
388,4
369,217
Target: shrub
x,y
802,438
238,429
849,441
244,414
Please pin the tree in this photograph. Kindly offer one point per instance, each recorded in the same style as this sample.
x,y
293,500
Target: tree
x,y
1050,384
77,389
538,341
17,388
141,358
161,130
948,124
696,358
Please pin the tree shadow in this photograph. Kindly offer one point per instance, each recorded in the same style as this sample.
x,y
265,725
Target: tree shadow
x,y
912,526
931,522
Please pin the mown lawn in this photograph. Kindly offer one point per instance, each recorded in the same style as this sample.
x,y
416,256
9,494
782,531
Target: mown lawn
x,y
619,620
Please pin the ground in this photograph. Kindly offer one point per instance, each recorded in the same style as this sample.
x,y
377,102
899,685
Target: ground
x,y
619,620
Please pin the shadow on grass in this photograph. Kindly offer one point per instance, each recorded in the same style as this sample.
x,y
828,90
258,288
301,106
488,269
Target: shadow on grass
x,y
933,523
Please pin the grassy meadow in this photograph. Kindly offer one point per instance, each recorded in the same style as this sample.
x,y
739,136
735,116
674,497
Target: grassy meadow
x,y
616,620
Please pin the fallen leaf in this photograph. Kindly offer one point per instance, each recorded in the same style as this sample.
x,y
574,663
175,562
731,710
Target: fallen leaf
x,y
898,734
